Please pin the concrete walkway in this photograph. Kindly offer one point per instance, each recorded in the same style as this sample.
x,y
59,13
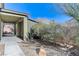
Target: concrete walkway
x,y
11,46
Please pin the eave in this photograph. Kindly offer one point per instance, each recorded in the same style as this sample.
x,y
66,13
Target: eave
x,y
13,12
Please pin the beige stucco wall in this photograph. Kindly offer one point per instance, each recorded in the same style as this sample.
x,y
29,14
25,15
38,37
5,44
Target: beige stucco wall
x,y
1,5
25,28
30,24
16,28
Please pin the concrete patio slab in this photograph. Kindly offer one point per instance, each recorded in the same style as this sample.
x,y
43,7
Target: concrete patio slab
x,y
11,46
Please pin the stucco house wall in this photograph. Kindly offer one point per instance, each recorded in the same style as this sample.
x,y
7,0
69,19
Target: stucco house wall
x,y
30,23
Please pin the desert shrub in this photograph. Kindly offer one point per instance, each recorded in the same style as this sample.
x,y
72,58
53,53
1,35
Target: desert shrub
x,y
76,40
46,32
31,33
56,33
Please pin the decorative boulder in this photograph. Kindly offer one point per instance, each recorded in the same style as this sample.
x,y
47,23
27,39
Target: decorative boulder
x,y
41,51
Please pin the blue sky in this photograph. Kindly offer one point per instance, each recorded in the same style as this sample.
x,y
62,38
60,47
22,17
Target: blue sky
x,y
40,10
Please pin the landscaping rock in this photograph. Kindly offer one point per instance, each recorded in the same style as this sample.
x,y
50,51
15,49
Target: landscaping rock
x,y
74,51
41,51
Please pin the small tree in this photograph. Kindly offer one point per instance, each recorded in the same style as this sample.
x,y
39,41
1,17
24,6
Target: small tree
x,y
72,10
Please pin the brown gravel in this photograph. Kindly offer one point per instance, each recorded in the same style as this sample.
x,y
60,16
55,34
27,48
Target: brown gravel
x,y
29,49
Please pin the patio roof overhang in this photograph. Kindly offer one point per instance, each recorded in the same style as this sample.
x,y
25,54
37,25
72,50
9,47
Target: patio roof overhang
x,y
13,16
9,16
